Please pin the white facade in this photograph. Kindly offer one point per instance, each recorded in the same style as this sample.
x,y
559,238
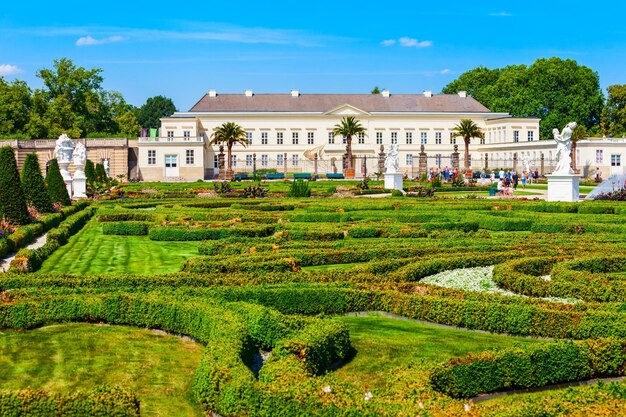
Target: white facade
x,y
298,134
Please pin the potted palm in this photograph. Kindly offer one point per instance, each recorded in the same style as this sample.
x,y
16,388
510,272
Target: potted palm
x,y
348,128
229,133
467,129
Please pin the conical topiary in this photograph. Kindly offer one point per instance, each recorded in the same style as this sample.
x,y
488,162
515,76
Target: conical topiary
x,y
12,202
56,185
34,186
90,172
101,174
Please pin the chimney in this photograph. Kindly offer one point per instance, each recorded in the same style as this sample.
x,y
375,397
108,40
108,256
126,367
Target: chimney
x,y
462,94
428,93
248,93
385,93
295,93
212,93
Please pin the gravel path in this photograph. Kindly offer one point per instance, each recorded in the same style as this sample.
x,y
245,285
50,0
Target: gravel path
x,y
6,262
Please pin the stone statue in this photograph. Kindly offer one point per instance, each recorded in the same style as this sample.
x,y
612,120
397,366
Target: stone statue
x,y
564,149
526,162
64,149
392,161
106,167
80,155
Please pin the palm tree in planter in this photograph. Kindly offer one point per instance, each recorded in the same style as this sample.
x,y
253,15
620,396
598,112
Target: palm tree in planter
x,y
229,133
467,129
578,133
348,128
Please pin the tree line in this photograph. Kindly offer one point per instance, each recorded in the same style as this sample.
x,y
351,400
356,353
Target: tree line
x,y
73,101
557,91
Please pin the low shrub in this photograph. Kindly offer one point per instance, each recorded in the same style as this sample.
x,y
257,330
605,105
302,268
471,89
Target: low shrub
x,y
131,228
364,232
397,193
185,234
299,188
538,366
462,226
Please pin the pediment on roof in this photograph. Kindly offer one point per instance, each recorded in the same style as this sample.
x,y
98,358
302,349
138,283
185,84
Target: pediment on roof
x,y
347,110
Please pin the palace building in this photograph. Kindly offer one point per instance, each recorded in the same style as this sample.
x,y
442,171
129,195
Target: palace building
x,y
292,133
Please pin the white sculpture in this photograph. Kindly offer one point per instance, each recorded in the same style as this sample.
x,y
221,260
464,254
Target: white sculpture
x,y
526,162
392,161
63,153
564,149
80,155
106,167
64,149
80,180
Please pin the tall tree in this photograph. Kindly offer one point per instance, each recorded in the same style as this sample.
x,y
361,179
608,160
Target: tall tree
x,y
90,172
15,106
555,90
34,186
12,202
614,112
230,133
128,125
348,127
155,108
375,90
56,186
467,129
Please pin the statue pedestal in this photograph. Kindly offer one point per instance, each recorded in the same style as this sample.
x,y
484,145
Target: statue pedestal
x,y
563,187
393,181
80,184
67,178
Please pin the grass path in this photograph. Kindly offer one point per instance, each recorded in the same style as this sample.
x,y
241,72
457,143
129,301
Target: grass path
x,y
92,252
384,343
69,357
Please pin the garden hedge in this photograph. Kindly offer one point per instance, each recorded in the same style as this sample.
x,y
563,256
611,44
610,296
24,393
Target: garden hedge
x,y
129,228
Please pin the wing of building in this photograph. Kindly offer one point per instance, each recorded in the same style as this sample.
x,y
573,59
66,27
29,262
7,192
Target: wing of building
x,y
292,133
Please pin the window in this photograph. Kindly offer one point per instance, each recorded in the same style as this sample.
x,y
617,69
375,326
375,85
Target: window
x,y
331,138
361,137
394,138
599,156
409,159
170,135
423,138
409,138
248,160
151,157
249,137
499,136
516,136
186,135
452,139
437,138
294,160
438,159
294,138
216,161
279,138
616,160
379,138
531,135
233,160
170,161
189,157
345,140
490,136
280,160
264,160
482,140
263,138
310,138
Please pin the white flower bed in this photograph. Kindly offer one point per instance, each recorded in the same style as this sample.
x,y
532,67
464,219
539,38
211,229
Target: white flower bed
x,y
478,279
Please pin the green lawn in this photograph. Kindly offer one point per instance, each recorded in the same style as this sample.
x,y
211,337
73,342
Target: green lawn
x,y
69,357
383,344
92,252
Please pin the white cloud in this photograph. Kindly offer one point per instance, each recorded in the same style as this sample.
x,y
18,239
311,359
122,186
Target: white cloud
x,y
88,40
7,69
500,14
388,42
411,42
445,71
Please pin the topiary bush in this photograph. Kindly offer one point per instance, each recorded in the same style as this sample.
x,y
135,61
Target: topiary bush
x,y
125,228
56,186
90,172
34,185
12,201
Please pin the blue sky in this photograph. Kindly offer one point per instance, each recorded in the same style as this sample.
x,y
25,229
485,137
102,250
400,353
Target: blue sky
x,y
183,49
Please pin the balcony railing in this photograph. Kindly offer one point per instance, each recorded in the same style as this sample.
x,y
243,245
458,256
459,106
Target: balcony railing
x,y
173,139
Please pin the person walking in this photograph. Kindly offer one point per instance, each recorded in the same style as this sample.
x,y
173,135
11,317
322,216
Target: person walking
x,y
515,179
524,179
